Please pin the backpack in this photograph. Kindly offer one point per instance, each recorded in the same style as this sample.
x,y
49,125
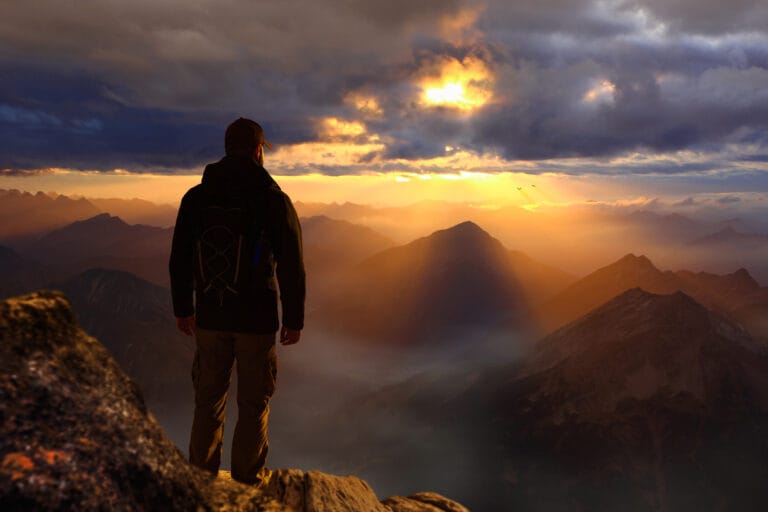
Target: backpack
x,y
233,251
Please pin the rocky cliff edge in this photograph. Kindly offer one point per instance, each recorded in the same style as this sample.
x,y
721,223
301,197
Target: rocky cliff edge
x,y
75,434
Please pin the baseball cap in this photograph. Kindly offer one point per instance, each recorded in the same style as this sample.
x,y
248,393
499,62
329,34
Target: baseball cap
x,y
244,134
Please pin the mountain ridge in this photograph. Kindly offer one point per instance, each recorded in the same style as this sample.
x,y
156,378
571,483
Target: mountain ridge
x,y
723,293
442,283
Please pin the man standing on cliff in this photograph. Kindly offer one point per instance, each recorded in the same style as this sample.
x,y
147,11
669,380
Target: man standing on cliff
x,y
235,232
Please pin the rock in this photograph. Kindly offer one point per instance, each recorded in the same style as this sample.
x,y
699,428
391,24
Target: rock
x,y
423,502
75,434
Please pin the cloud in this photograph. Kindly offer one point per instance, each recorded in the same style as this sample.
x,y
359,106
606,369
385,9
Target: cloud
x,y
23,173
149,86
704,16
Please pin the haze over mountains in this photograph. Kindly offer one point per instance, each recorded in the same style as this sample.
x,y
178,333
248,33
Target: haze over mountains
x,y
576,238
452,280
650,402
736,296
579,238
482,365
24,214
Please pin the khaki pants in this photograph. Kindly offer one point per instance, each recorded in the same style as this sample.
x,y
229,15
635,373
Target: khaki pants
x,y
211,375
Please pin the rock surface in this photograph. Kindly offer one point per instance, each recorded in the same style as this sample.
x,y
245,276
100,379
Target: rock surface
x,y
75,434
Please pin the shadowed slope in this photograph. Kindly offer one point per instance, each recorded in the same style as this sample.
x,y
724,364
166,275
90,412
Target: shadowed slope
x,y
19,274
134,320
449,282
650,402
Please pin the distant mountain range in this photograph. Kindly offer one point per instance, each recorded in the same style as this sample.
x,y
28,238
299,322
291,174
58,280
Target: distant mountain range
x,y
729,235
575,238
103,241
25,215
729,294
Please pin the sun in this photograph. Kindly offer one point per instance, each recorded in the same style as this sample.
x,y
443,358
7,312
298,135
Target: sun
x,y
463,85
448,93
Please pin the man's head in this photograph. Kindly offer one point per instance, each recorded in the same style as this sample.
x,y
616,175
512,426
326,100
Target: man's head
x,y
245,137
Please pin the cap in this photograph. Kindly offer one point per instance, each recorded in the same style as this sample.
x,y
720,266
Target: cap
x,y
244,134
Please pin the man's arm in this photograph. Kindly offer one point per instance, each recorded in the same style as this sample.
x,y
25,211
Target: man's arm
x,y
290,269
181,268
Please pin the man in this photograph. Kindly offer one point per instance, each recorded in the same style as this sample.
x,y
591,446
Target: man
x,y
234,232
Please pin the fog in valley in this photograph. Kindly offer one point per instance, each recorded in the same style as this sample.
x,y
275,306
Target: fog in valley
x,y
461,349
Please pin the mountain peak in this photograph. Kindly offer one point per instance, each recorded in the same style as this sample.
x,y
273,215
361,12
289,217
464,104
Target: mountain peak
x,y
630,259
467,225
102,219
631,265
466,231
674,332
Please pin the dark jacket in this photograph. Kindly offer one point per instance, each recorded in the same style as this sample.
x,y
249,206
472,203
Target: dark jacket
x,y
257,311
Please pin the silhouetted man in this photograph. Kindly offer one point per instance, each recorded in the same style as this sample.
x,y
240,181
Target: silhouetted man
x,y
236,232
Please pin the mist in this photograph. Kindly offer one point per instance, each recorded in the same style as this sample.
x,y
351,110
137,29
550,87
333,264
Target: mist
x,y
417,367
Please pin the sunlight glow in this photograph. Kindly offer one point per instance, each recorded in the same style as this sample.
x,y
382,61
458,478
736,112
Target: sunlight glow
x,y
463,85
334,128
448,93
367,105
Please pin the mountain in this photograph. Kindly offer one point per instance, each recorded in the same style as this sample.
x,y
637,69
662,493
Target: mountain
x,y
102,235
105,241
725,294
728,248
538,280
332,247
729,236
338,243
649,402
76,435
138,211
662,227
600,286
19,274
435,287
134,319
24,214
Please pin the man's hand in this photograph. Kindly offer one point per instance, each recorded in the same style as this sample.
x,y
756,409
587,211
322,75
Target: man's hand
x,y
289,336
186,325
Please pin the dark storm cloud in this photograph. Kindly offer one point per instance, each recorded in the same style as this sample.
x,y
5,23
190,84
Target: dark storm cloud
x,y
149,85
706,16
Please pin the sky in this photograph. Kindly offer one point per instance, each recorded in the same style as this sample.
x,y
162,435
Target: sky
x,y
394,101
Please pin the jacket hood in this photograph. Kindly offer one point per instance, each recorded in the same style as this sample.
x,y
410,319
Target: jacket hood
x,y
237,171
